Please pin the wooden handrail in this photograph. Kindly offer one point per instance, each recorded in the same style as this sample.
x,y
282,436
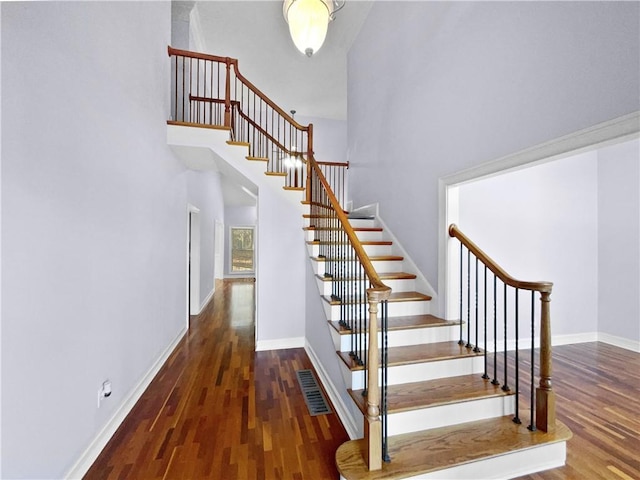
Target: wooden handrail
x,y
545,396
541,286
333,164
376,283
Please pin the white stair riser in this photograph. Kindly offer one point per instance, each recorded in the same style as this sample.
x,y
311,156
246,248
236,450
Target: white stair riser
x,y
362,223
400,338
395,309
371,250
355,223
419,372
451,414
363,236
381,266
397,285
507,465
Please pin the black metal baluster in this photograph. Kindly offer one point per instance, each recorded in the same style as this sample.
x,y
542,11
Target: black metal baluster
x,y
532,425
485,375
468,345
505,387
385,381
495,332
516,418
460,341
476,348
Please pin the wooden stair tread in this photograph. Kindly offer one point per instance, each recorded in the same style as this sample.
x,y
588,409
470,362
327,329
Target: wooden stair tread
x,y
297,189
357,229
257,159
409,354
362,242
198,125
393,298
374,258
433,393
276,174
238,144
383,276
406,322
413,454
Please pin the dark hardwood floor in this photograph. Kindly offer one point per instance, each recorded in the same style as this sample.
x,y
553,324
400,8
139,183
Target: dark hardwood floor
x,y
219,410
598,397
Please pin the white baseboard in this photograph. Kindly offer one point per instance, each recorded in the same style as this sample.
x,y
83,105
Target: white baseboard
x,y
348,421
633,345
279,344
206,301
82,465
586,337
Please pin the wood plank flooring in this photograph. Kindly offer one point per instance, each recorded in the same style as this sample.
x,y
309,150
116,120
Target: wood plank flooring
x,y
219,410
598,397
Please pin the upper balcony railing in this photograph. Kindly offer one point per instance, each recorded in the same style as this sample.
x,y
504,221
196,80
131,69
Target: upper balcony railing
x,y
208,90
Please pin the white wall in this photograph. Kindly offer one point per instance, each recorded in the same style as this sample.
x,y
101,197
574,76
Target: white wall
x,y
329,138
204,192
93,221
619,241
475,81
238,216
541,223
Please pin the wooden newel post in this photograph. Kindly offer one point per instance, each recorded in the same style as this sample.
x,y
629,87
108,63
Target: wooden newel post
x,y
227,95
372,424
545,397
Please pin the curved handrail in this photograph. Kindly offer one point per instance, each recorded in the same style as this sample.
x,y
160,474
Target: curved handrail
x,y
242,78
376,283
540,286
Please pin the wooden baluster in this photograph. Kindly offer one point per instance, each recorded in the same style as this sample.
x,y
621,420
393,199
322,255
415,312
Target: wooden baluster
x,y
545,397
373,426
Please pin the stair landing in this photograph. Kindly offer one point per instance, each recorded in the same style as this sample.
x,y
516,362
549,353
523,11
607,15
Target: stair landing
x,y
434,453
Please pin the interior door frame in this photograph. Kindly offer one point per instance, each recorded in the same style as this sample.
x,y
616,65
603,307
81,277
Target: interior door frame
x,y
193,261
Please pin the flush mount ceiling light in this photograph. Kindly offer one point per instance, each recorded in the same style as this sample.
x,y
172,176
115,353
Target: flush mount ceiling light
x,y
308,22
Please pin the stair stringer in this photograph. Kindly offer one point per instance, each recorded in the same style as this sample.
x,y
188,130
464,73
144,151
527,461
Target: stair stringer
x,y
208,149
321,350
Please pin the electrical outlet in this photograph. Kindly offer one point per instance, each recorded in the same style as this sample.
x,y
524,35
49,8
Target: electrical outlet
x,y
104,391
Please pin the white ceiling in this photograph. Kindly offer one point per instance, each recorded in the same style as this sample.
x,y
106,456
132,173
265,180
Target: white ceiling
x,y
256,33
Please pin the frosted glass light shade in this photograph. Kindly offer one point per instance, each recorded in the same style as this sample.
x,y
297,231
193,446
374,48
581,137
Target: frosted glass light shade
x,y
308,22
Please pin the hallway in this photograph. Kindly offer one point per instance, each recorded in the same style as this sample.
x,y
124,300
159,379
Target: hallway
x,y
218,409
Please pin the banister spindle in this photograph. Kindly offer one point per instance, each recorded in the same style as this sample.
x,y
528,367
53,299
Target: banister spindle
x,y
516,419
476,349
460,341
227,95
485,375
468,345
505,387
532,402
495,332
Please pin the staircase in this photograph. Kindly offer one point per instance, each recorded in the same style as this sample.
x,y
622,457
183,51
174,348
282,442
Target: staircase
x,y
429,407
444,419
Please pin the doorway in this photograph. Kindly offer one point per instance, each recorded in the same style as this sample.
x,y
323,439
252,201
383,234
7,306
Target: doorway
x,y
193,262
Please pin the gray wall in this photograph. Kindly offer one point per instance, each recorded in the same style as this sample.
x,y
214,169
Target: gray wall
x,y
205,193
619,241
94,221
541,223
475,81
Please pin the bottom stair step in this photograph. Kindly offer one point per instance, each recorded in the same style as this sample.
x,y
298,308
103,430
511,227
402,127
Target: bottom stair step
x,y
495,448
